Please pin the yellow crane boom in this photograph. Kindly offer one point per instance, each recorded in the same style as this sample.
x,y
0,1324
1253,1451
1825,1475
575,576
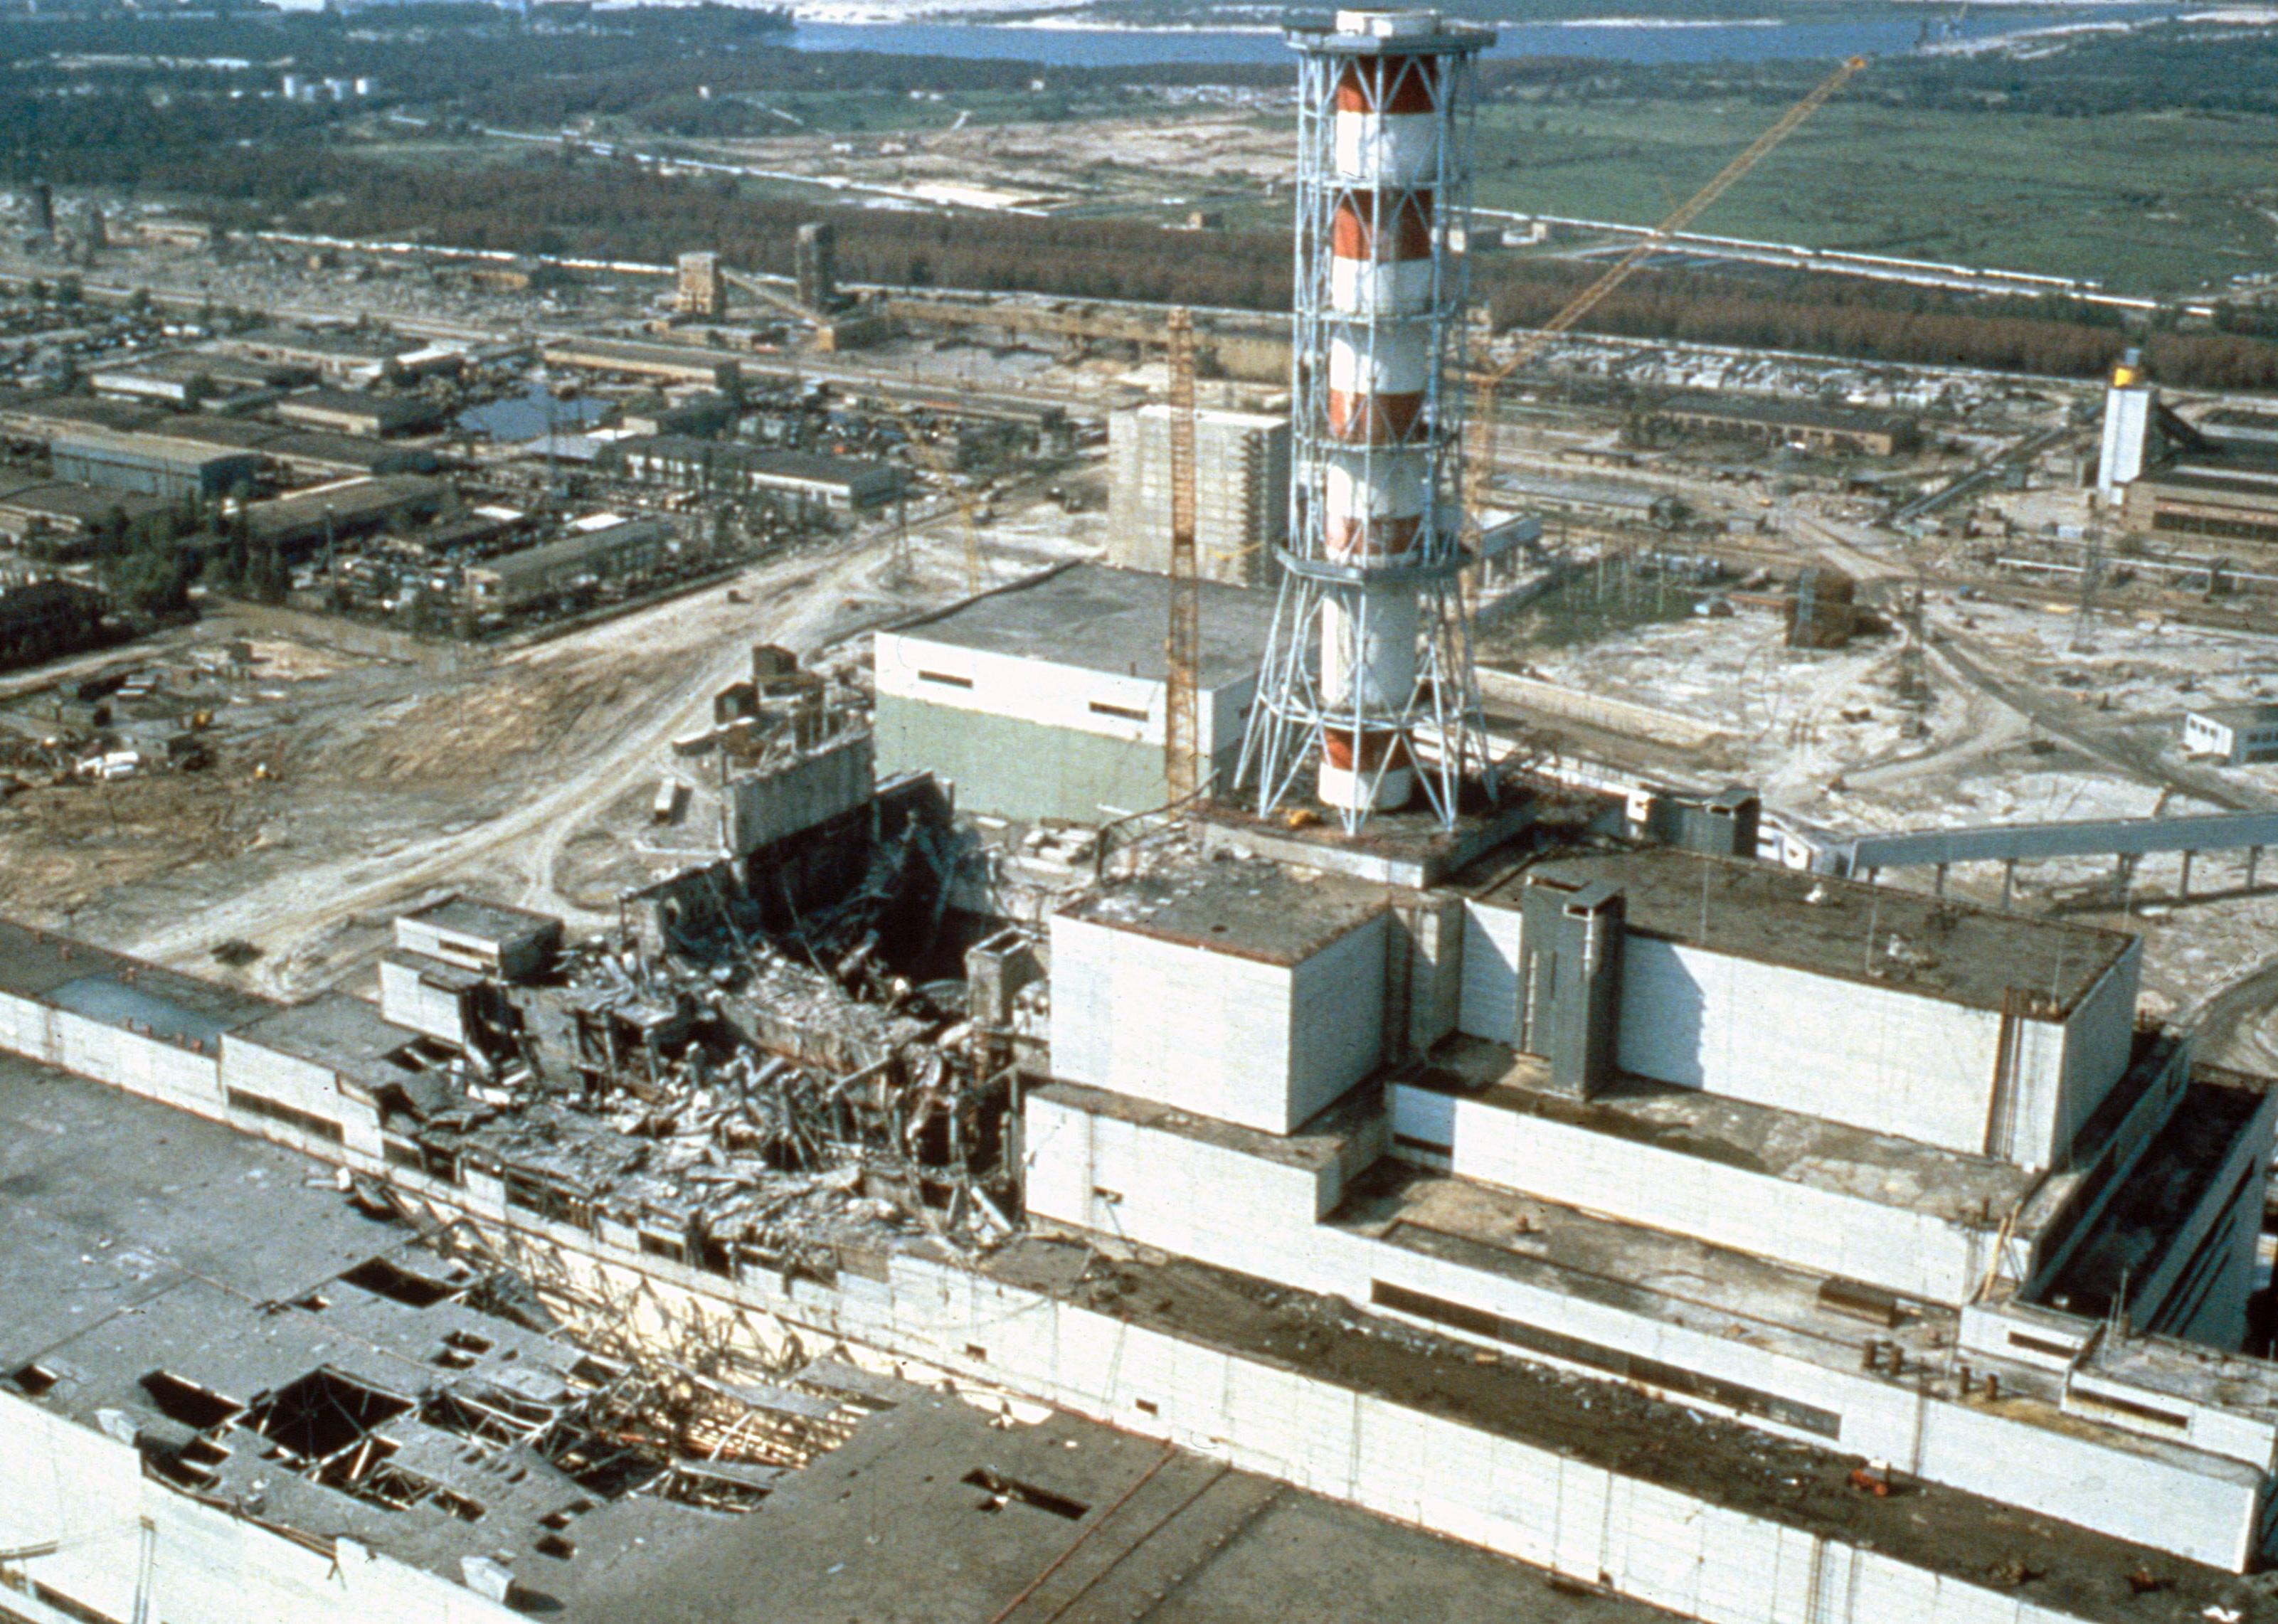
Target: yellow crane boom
x,y
1182,644
1483,422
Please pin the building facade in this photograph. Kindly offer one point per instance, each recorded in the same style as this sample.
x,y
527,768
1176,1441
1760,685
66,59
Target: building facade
x,y
1242,492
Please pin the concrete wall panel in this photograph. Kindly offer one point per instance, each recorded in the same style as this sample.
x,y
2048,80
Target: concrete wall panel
x,y
1878,1058
1490,997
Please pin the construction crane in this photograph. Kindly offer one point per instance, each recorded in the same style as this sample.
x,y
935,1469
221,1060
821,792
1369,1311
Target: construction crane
x,y
1183,642
1483,422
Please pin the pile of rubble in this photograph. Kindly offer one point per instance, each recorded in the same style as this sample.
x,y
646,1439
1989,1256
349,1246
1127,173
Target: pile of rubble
x,y
755,1094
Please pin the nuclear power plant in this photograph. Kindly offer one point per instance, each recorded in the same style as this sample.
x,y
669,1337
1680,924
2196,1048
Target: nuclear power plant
x,y
779,934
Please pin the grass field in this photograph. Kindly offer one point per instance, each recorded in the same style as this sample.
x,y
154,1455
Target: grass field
x,y
2147,203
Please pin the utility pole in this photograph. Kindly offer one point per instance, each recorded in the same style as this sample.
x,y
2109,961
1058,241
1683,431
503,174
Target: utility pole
x,y
1182,644
2092,576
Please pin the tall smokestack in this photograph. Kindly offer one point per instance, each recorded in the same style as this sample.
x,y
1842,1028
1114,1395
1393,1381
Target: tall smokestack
x,y
1368,678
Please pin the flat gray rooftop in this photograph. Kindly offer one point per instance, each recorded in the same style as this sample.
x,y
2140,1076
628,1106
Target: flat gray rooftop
x,y
1949,949
932,1516
495,922
1612,1424
106,985
1250,907
338,1031
1112,621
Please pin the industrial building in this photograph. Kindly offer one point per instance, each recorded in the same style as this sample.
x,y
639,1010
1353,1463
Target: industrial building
x,y
488,937
837,485
38,415
2215,480
278,1404
701,291
1554,1163
600,553
201,382
1828,429
302,522
1241,491
152,462
352,358
1046,700
2235,735
61,521
1907,1233
669,363
348,411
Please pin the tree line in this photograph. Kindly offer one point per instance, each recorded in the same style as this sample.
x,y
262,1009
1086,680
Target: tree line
x,y
612,209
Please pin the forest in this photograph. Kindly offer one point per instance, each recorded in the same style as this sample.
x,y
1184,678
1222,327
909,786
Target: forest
x,y
614,210
155,114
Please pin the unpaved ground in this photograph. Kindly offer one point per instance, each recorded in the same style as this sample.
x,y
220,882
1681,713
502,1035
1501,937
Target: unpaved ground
x,y
1823,736
345,787
1139,161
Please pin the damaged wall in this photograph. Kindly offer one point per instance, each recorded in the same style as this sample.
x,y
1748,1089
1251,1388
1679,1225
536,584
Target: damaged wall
x,y
762,808
87,1494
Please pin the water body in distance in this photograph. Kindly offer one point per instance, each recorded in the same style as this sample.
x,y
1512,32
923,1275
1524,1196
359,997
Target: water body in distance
x,y
1612,40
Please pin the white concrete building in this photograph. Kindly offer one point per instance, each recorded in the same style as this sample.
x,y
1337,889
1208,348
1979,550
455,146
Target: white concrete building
x,y
1894,1177
2235,735
1242,492
1047,699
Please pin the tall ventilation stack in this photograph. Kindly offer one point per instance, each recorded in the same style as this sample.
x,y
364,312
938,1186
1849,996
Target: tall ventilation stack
x,y
1368,675
2129,401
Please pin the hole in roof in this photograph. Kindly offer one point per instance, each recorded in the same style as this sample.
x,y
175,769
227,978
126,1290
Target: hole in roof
x,y
384,1278
324,1413
1002,1490
195,1407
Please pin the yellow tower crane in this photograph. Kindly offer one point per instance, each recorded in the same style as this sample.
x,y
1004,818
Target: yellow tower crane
x,y
1483,418
1182,770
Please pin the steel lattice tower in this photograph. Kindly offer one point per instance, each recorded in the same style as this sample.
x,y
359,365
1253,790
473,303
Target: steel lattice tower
x,y
1368,676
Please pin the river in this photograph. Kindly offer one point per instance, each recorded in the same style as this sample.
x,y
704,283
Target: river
x,y
1612,39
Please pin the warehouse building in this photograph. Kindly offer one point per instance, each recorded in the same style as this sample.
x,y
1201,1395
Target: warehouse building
x,y
302,522
1828,429
351,411
839,484
60,521
201,382
38,415
1046,700
353,358
1241,491
152,462
668,364
603,552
